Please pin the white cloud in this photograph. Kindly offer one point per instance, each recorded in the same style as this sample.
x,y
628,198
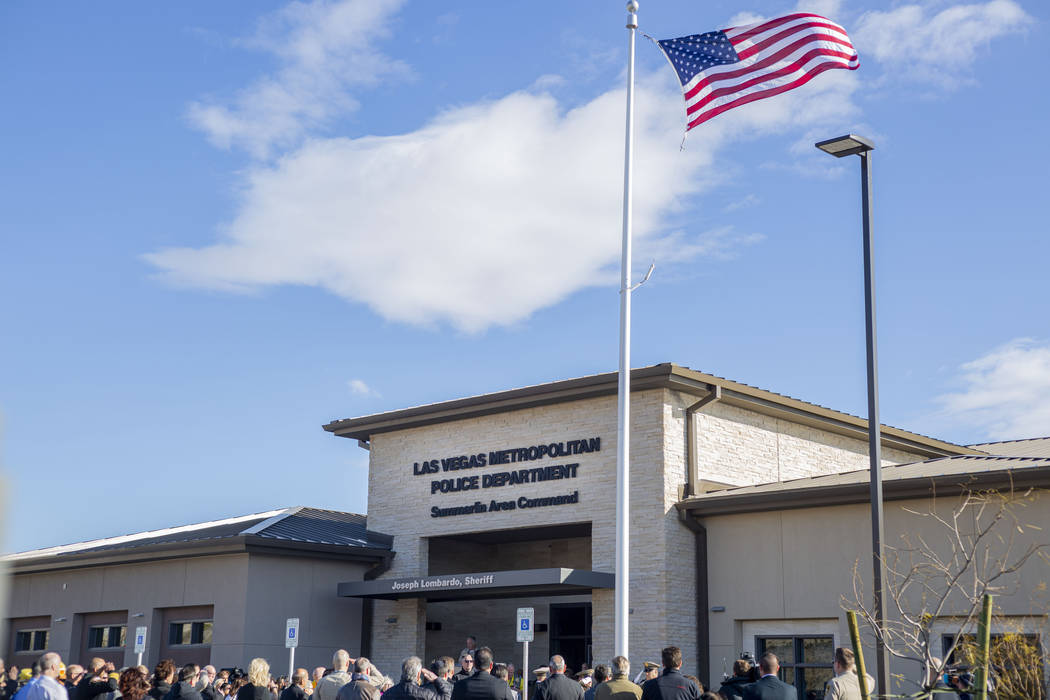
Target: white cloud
x,y
324,50
745,202
916,44
489,212
359,387
1006,393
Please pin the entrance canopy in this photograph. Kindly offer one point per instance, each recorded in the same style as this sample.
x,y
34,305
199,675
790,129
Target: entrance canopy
x,y
490,584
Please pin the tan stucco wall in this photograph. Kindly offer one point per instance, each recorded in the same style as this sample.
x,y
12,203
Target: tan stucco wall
x,y
797,565
251,595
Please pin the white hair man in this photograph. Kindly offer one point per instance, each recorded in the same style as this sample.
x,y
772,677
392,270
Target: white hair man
x,y
47,687
329,686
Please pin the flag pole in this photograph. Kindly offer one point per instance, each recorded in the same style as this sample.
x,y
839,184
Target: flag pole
x,y
623,443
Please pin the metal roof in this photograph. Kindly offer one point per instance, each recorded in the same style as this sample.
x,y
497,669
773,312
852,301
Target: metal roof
x,y
666,375
1032,447
292,525
900,481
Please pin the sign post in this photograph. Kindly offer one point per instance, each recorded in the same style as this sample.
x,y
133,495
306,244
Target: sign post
x,y
291,641
140,643
526,633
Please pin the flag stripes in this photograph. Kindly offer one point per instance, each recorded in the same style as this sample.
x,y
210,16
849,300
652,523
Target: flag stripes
x,y
736,66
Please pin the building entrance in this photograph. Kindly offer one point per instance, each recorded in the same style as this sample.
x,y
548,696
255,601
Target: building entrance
x,y
570,633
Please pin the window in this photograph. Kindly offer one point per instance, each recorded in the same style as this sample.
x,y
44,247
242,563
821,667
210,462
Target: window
x,y
185,633
1017,668
805,662
107,637
31,640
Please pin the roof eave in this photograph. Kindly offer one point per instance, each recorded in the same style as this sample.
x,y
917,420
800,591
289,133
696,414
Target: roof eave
x,y
859,492
662,376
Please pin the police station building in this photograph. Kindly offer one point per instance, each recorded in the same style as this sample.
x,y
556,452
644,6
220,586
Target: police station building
x,y
747,515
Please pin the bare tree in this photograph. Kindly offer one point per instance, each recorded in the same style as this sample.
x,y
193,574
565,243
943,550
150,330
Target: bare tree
x,y
935,583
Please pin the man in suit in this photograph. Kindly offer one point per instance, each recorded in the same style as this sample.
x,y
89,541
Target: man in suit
x,y
482,685
769,687
671,684
558,686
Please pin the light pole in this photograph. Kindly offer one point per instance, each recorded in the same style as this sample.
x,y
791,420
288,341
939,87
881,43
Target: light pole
x,y
849,145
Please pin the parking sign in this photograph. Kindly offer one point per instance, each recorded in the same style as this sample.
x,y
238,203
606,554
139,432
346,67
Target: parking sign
x,y
291,635
526,617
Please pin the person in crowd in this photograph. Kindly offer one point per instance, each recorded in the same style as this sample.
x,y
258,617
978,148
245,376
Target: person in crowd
x,y
8,685
133,684
45,685
329,685
186,687
360,685
769,687
466,667
471,646
515,680
224,691
74,674
206,683
540,674
845,685
96,681
501,672
601,674
163,677
619,687
442,667
585,677
260,685
482,685
733,687
297,689
558,686
409,688
671,684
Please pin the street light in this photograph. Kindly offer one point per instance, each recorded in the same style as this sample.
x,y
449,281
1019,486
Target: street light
x,y
850,145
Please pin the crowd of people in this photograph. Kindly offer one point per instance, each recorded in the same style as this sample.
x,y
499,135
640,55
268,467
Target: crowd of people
x,y
475,676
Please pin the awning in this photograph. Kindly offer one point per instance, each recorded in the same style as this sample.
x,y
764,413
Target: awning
x,y
489,584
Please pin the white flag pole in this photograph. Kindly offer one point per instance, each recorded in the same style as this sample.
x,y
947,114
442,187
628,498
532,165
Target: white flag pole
x,y
622,601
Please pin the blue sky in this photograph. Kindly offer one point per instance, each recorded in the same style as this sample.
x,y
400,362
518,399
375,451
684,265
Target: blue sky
x,y
225,224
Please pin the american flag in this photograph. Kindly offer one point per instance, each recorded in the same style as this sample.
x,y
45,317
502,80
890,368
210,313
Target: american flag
x,y
728,68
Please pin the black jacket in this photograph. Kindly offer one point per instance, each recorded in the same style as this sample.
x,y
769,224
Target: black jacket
x,y
210,692
89,688
481,686
183,690
442,687
670,685
159,691
406,690
293,692
558,686
255,692
733,688
770,688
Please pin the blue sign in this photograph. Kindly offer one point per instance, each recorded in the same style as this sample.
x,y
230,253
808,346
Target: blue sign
x,y
525,624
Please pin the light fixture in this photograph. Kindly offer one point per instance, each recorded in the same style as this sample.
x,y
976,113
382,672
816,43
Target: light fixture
x,y
138,615
847,145
391,620
60,619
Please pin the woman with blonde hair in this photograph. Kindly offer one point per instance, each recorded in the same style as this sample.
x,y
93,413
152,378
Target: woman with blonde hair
x,y
259,685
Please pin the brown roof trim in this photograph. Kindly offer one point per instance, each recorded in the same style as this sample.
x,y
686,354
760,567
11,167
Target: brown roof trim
x,y
662,376
847,494
240,544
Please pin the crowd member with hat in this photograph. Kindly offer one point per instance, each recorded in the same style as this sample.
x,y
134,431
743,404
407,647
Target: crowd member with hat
x,y
671,684
601,674
585,677
558,686
620,686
